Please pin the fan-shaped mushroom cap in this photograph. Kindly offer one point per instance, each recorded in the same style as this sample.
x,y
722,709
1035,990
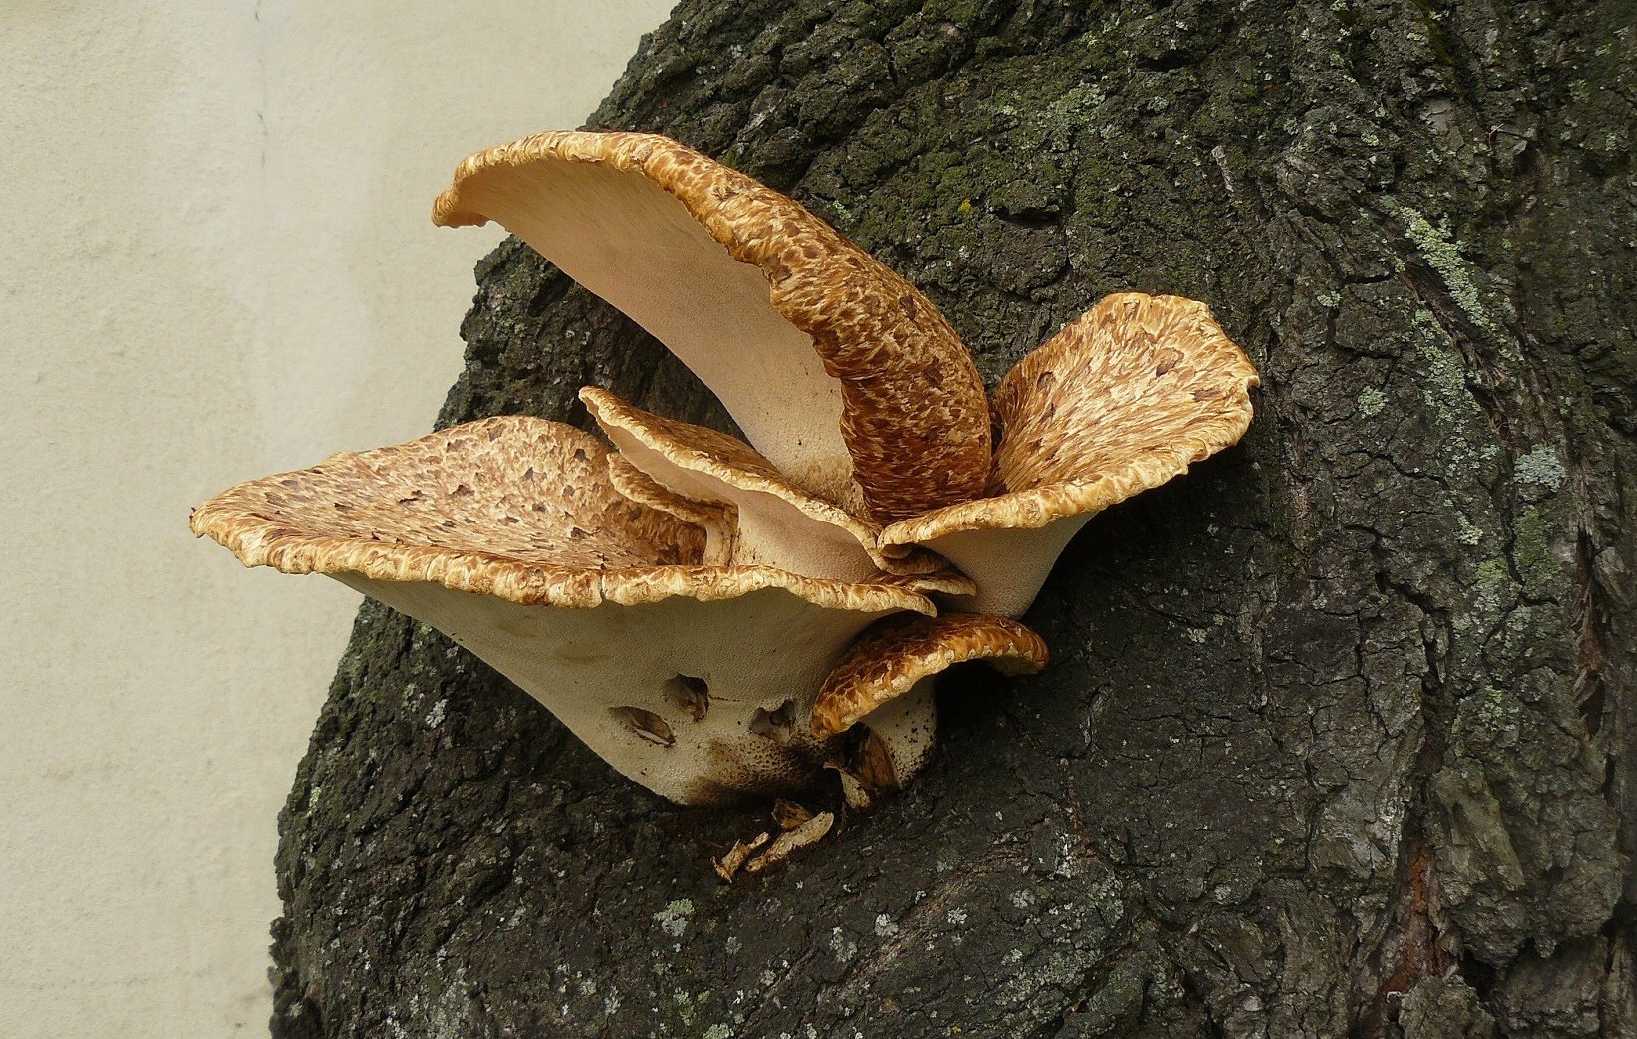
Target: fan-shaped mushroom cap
x,y
895,655
778,523
837,369
1122,400
884,686
668,668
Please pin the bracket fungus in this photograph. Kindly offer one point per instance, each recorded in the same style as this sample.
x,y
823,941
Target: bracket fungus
x,y
718,618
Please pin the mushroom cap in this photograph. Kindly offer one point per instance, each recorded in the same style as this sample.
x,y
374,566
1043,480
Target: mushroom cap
x,y
717,519
663,666
778,522
891,657
837,369
514,507
1122,400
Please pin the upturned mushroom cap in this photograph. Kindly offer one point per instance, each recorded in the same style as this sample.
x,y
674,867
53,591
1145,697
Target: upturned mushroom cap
x,y
777,522
1123,399
717,520
507,535
838,370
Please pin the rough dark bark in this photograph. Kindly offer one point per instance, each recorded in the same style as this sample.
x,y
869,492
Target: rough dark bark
x,y
1339,737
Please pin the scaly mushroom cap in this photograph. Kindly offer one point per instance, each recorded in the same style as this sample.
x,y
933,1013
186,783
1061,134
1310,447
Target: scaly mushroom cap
x,y
1122,400
777,522
838,370
896,654
508,535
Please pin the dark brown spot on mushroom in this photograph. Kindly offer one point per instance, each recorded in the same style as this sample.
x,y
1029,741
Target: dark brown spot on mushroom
x,y
689,693
645,725
1166,360
778,725
461,491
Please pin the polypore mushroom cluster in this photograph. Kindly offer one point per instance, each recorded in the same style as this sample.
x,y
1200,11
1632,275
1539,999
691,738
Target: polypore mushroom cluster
x,y
715,617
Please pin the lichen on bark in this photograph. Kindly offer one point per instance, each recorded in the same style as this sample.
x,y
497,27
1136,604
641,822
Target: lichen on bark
x,y
1339,736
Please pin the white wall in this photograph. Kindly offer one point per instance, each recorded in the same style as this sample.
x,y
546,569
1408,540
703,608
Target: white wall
x,y
216,262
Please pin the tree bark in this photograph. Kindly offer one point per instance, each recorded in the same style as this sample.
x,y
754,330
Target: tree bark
x,y
1339,734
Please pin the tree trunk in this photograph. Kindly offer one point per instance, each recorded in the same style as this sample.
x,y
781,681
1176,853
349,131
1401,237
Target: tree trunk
x,y
1339,734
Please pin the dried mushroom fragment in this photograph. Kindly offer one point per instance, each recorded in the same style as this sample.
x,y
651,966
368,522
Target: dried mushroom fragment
x,y
791,841
1122,400
839,371
518,547
735,856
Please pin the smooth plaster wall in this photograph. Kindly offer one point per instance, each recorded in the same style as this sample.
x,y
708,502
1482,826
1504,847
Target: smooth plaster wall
x,y
216,262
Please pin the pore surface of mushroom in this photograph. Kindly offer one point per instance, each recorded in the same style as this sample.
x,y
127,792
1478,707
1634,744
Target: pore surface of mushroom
x,y
716,618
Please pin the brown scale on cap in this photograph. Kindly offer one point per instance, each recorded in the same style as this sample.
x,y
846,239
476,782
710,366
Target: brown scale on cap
x,y
1147,382
912,414
895,654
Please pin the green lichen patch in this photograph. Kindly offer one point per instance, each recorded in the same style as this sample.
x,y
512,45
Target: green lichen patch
x,y
1541,467
1438,248
1371,401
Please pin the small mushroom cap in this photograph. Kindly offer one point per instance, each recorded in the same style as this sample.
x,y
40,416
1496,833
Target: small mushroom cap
x,y
837,369
717,519
890,658
1122,400
777,522
517,508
